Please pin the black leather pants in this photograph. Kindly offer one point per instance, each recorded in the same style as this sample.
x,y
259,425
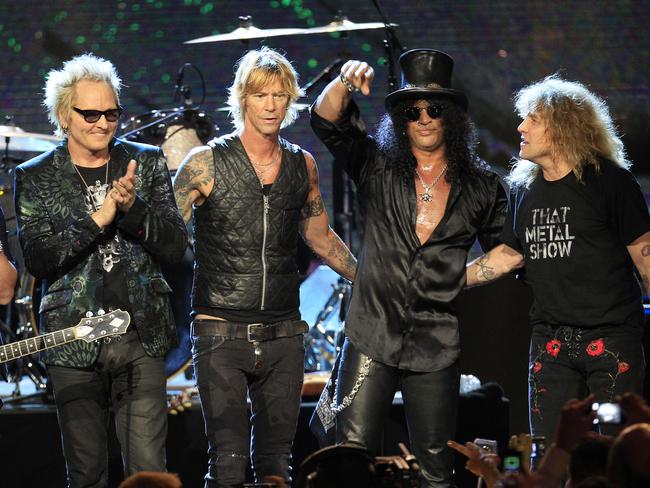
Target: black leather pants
x,y
430,405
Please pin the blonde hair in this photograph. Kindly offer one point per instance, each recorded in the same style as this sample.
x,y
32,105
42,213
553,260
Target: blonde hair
x,y
579,127
255,70
59,84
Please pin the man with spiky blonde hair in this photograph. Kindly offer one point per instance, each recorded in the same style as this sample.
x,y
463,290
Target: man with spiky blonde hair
x,y
579,219
96,217
252,193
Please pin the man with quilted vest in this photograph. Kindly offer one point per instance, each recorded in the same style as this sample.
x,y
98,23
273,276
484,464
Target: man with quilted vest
x,y
253,193
96,216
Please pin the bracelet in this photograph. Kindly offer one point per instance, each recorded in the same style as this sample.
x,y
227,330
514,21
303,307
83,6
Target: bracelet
x,y
347,84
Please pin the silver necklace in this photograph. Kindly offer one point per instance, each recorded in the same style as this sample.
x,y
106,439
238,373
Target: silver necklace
x,y
88,192
426,195
265,167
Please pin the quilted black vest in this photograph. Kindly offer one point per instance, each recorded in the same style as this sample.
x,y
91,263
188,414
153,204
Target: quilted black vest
x,y
246,243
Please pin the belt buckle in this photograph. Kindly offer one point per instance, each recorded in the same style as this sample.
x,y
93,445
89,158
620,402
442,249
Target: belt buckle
x,y
249,331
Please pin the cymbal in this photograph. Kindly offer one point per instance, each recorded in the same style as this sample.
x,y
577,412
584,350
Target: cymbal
x,y
342,24
20,140
299,106
247,32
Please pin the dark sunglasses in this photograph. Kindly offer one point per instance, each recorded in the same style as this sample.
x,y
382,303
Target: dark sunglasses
x,y
92,116
413,113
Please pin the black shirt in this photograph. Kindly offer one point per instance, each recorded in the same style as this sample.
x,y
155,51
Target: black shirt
x,y
573,236
403,310
112,293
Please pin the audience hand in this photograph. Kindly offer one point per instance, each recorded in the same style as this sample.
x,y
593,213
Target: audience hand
x,y
576,420
635,409
479,462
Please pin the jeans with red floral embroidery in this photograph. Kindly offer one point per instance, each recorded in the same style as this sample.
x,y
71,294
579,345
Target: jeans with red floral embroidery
x,y
571,362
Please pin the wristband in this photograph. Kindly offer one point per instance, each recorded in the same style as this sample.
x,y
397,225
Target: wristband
x,y
347,84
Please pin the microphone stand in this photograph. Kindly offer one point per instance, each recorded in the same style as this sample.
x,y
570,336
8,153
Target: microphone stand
x,y
391,43
325,74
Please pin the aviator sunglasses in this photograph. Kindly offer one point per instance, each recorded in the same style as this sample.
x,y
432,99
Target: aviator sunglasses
x,y
412,113
92,116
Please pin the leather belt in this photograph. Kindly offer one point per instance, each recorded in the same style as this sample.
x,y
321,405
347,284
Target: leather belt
x,y
257,332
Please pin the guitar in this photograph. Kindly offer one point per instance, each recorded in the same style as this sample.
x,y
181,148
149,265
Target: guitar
x,y
88,329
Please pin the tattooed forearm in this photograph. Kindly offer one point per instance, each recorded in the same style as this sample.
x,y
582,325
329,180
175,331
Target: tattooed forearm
x,y
333,251
313,208
342,259
484,272
194,178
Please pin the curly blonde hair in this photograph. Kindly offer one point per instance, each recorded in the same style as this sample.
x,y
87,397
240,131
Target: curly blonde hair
x,y
59,84
255,70
579,127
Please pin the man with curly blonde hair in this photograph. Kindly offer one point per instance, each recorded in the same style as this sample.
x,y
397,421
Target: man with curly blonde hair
x,y
579,219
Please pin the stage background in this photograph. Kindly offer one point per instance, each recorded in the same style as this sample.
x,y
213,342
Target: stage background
x,y
499,46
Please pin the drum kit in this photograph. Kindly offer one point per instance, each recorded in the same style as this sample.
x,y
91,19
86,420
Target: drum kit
x,y
176,130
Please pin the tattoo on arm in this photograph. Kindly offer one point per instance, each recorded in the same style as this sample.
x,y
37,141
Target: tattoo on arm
x,y
194,174
484,272
336,254
346,264
312,208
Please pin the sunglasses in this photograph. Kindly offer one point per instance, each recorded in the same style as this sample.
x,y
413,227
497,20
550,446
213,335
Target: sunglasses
x,y
413,113
92,116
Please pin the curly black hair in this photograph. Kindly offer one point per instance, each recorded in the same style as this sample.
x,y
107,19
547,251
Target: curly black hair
x,y
459,136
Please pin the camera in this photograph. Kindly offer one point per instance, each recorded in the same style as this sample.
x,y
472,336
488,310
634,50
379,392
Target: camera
x,y
607,413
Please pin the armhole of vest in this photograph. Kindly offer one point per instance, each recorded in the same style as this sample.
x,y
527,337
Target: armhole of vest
x,y
213,146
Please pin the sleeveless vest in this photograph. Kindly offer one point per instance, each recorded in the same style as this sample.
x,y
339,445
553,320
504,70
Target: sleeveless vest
x,y
245,242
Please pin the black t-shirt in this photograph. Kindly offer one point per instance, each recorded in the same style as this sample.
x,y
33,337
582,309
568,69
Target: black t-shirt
x,y
573,236
112,294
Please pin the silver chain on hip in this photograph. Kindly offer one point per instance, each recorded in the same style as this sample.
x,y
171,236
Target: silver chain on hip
x,y
347,400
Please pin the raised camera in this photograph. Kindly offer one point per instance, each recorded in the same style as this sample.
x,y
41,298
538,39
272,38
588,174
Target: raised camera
x,y
607,413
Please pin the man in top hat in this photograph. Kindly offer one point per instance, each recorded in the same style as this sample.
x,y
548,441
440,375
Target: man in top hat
x,y
425,196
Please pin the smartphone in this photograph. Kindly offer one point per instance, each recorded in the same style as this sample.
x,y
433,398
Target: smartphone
x,y
607,413
510,461
487,445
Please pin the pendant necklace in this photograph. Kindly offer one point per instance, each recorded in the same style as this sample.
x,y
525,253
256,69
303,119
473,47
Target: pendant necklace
x,y
426,195
97,183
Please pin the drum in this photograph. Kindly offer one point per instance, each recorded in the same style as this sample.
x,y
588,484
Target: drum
x,y
176,131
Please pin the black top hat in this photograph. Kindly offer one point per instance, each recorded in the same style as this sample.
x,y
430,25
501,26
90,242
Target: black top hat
x,y
426,73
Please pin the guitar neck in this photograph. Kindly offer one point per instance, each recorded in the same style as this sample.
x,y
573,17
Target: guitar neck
x,y
33,345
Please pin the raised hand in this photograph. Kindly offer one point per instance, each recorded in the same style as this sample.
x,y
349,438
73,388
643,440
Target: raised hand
x,y
124,189
576,420
359,74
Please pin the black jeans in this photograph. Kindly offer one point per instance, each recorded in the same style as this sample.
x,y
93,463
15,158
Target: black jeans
x,y
134,384
430,405
570,362
226,370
